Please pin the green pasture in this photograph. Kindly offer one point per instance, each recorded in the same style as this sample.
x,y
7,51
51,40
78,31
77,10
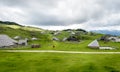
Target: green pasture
x,y
58,62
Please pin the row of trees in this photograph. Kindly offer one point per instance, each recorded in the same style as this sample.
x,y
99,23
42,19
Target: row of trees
x,y
8,23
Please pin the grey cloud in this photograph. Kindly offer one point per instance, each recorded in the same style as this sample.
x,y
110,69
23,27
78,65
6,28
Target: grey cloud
x,y
44,19
52,20
110,5
12,3
28,3
48,12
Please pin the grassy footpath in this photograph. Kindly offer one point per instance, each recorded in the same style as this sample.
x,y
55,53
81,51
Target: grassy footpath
x,y
55,62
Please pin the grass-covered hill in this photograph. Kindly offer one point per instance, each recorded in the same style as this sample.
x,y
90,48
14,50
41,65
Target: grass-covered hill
x,y
77,39
13,30
9,23
45,36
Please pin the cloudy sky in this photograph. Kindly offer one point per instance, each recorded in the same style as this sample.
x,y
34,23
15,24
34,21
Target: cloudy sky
x,y
63,14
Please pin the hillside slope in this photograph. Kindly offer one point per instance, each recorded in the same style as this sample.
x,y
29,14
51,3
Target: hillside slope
x,y
13,30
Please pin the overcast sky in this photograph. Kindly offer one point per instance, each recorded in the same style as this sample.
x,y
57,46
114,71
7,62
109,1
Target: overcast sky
x,y
63,14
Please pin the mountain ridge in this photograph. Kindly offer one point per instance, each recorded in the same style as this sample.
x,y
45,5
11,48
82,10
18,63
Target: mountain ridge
x,y
111,32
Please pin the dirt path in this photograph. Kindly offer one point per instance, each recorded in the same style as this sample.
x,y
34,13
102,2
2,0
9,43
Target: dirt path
x,y
55,51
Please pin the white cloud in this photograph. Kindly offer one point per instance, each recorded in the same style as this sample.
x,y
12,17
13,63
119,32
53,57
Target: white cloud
x,y
11,14
73,26
63,14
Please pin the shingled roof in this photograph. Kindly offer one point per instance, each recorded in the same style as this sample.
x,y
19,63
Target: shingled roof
x,y
6,41
94,44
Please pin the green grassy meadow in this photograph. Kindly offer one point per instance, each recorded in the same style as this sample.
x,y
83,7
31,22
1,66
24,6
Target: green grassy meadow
x,y
57,62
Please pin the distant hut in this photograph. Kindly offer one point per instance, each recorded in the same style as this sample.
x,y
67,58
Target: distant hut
x,y
64,39
34,38
17,37
69,31
23,42
94,44
42,32
57,33
105,38
72,33
6,41
72,38
56,39
117,40
114,39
